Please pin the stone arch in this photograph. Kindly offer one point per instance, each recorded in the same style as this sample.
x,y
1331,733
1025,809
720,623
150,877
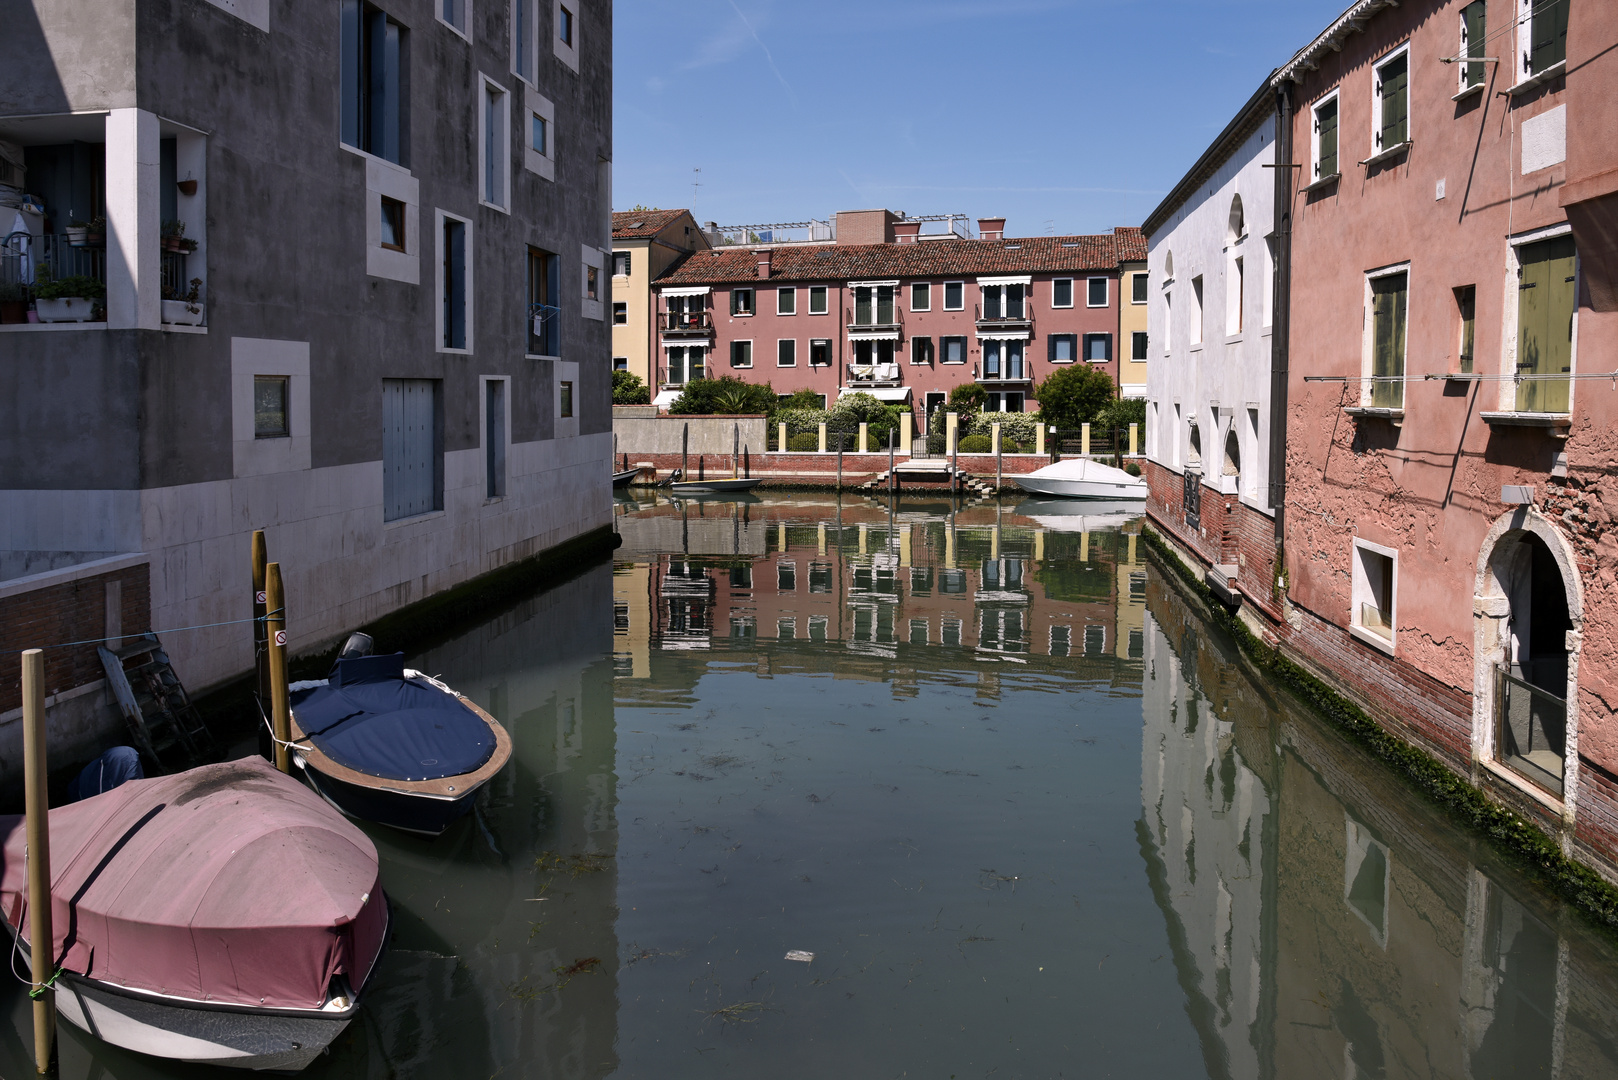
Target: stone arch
x,y
1521,549
1238,220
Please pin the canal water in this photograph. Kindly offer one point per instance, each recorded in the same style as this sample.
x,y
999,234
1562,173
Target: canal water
x,y
813,787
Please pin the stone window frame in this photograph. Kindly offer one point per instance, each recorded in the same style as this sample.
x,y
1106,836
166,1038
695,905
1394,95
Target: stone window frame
x,y
1360,592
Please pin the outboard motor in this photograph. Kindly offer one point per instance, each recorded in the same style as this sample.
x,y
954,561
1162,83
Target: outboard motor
x,y
357,645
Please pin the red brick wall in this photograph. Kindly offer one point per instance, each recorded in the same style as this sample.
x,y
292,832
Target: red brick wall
x,y
1240,535
69,611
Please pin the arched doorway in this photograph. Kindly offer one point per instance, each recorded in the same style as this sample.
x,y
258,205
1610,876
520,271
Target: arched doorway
x,y
1530,604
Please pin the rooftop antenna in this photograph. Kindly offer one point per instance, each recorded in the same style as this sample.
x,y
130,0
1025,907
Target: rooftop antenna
x,y
695,183
1050,226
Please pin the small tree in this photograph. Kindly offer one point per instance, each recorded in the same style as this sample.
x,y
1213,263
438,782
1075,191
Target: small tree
x,y
803,399
728,395
1073,396
628,389
1121,413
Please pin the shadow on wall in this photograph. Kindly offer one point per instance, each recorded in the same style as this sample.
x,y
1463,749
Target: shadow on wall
x,y
32,85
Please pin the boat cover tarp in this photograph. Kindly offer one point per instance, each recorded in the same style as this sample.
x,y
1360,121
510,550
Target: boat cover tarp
x,y
228,883
372,719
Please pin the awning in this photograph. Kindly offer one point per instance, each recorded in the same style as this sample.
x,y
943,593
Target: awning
x,y
1003,335
889,334
1007,279
895,394
665,398
687,290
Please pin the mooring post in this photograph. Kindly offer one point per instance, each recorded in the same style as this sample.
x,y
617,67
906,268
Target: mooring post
x,y
890,464
685,447
260,666
281,708
839,461
735,450
41,936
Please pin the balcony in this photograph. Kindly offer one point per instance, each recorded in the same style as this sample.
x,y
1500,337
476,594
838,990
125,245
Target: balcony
x,y
686,324
1011,316
861,376
874,321
1011,373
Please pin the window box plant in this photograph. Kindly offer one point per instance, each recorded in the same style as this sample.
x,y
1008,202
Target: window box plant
x,y
187,310
173,233
97,236
78,233
71,299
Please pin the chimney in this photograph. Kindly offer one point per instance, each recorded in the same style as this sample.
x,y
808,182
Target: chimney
x,y
991,228
865,226
763,263
905,232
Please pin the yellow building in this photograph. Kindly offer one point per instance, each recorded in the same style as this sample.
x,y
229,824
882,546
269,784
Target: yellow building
x,y
644,244
1132,330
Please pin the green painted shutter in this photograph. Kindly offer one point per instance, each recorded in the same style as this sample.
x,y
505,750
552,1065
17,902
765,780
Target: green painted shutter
x,y
1326,118
1549,39
1395,102
1545,301
862,307
1389,297
1472,26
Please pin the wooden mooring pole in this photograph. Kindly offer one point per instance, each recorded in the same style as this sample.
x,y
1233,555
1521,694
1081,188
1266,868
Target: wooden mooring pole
x,y
260,659
890,469
41,938
281,708
685,448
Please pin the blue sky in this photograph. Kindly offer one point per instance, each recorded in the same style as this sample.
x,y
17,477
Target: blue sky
x,y
1064,115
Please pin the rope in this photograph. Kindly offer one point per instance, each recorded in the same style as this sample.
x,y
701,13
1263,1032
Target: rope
x,y
152,633
49,984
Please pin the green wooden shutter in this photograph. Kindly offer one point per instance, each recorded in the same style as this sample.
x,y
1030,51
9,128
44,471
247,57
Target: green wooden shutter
x,y
1545,301
1549,38
1389,296
862,306
1472,28
1395,102
1326,120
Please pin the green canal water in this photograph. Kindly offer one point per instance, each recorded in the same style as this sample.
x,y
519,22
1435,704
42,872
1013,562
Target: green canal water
x,y
811,788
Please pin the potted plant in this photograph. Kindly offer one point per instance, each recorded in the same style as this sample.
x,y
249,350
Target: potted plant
x,y
186,310
97,236
78,232
13,303
173,231
70,299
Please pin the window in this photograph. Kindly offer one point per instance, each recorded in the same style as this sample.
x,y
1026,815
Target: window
x,y
592,282
1545,303
544,290
1391,112
1061,640
620,313
372,74
954,295
921,350
686,363
873,305
918,631
786,629
741,301
1003,301
1097,293
921,296
494,438
1542,34
1365,888
412,448
1137,345
1473,37
620,363
539,138
524,39
620,263
493,122
1098,348
952,350
1063,348
1196,310
873,352
949,631
1389,303
817,300
1002,360
1234,298
565,41
1168,321
741,354
786,576
539,153
1324,138
1375,568
270,407
786,353
453,14
1137,287
820,353
564,26
564,400
1466,316
1267,282
1062,293
453,271
786,301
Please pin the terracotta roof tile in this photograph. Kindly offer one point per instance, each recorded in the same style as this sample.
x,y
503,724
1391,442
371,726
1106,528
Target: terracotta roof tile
x,y
641,224
929,258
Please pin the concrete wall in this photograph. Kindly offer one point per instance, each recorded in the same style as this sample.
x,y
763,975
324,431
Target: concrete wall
x,y
710,435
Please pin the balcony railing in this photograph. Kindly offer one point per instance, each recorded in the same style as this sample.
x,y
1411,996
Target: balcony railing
x,y
691,322
877,317
1020,371
874,375
1008,317
1530,730
24,258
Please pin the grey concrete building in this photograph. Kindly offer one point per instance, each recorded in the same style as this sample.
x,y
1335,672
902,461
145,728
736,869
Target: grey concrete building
x,y
380,336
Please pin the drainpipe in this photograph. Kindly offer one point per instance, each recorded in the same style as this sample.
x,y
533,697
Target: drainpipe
x,y
1281,301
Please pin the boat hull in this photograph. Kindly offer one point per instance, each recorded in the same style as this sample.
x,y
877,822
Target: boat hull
x,y
622,479
1068,488
714,487
424,814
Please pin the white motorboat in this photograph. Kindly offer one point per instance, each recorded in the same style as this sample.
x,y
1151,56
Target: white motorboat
x,y
1080,515
1082,478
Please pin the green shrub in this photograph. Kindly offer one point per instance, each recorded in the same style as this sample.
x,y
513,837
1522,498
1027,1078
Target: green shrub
x,y
800,420
1120,413
804,442
76,285
1074,396
628,389
803,399
1020,427
1132,469
727,396
976,444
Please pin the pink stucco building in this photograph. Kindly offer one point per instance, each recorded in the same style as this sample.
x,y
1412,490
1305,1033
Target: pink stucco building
x,y
906,317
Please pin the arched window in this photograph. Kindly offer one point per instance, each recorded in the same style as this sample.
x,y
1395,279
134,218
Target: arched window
x,y
1233,454
1238,222
1168,266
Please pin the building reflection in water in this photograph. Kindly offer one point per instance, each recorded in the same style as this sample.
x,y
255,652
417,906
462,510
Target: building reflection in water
x,y
1327,923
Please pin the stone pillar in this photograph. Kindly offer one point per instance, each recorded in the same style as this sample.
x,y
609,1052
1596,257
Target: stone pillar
x,y
864,537
134,240
1134,439
823,450
781,438
864,431
906,425
1039,439
994,436
1084,440
951,432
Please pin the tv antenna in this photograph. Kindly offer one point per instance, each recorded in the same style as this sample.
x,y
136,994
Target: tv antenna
x,y
696,182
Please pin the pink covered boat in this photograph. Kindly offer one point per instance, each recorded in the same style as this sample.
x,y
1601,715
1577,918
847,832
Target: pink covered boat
x,y
223,915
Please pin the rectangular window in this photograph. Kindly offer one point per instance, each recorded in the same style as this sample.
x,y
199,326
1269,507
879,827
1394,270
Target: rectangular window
x,y
873,305
949,631
1389,303
786,629
817,300
453,315
544,289
1097,294
921,296
539,137
373,77
453,12
270,407
494,177
686,363
592,282
1196,310
1062,293
741,354
1235,297
786,353
564,400
1473,37
1002,301
1168,321
1137,345
1002,360
1543,34
393,224
620,313
1064,348
412,448
820,353
786,576
954,295
494,438
1061,640
921,350
1098,348
786,301
918,631
524,39
1375,568
1137,286
952,350
620,363
1392,93
1466,315
1324,138
564,26
741,301
620,263
1545,301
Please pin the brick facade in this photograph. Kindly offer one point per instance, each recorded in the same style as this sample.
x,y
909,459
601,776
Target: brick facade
x,y
1228,532
60,611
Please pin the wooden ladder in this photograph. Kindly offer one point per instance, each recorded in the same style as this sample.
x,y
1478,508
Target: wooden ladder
x,y
166,727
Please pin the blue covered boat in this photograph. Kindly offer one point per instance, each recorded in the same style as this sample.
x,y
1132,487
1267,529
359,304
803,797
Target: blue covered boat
x,y
387,744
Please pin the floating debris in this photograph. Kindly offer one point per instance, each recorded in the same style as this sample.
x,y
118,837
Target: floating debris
x,y
588,862
800,955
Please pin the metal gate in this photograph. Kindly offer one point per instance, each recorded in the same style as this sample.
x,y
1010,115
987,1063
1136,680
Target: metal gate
x,y
412,467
